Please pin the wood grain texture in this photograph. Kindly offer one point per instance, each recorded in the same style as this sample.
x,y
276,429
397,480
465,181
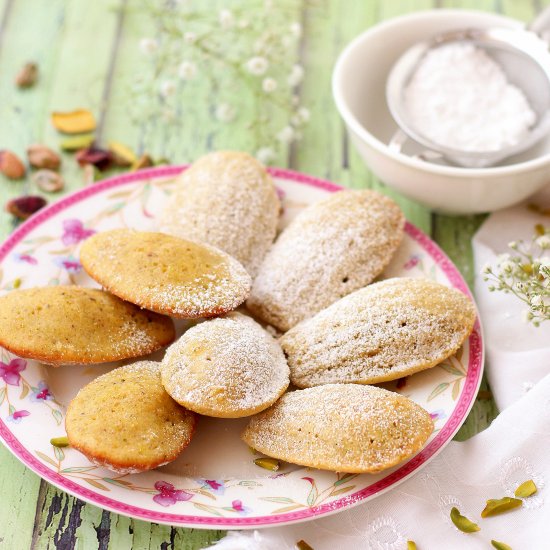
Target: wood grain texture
x,y
88,55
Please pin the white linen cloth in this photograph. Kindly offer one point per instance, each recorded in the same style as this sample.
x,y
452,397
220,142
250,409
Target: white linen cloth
x,y
514,449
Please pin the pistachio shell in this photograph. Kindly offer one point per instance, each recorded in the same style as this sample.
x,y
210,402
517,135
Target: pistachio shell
x,y
303,545
268,463
142,162
462,522
60,441
498,506
411,545
77,143
500,545
27,76
123,155
74,122
526,489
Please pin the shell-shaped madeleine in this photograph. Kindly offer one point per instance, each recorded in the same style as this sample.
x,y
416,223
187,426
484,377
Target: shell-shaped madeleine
x,y
382,332
124,420
330,249
341,427
226,367
68,324
164,273
226,199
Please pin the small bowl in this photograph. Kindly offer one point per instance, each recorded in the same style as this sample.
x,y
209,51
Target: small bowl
x,y
359,84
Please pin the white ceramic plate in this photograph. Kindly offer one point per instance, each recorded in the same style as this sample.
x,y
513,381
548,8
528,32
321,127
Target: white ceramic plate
x,y
214,483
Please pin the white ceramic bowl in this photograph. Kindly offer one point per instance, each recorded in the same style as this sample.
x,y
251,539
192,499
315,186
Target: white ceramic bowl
x,y
359,82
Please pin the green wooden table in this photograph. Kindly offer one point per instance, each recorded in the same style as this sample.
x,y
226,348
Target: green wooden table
x,y
88,54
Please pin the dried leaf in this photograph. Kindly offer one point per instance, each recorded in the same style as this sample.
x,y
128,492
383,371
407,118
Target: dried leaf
x,y
495,507
303,545
526,489
462,522
74,122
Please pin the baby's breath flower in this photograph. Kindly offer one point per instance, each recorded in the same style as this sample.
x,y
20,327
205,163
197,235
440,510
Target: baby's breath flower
x,y
525,276
286,135
296,75
257,65
225,112
187,70
269,85
301,117
167,88
265,155
148,45
296,29
226,19
243,23
190,37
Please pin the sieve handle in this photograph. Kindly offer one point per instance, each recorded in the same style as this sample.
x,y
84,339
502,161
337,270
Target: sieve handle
x,y
541,25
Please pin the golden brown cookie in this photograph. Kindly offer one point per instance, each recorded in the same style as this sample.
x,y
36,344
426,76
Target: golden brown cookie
x,y
382,332
70,324
330,249
226,199
166,274
125,421
227,367
341,427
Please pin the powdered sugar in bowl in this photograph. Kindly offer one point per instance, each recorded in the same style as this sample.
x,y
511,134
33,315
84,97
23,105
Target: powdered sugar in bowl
x,y
359,88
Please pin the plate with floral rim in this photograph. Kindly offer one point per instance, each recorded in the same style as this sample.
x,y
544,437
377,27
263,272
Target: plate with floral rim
x,y
215,482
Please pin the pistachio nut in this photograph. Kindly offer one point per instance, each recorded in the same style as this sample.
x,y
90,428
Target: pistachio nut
x,y
41,156
48,180
11,165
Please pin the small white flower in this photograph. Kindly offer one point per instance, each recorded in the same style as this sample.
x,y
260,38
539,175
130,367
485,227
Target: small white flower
x,y
503,257
296,75
257,65
536,300
301,117
225,112
286,135
507,266
269,85
148,45
513,244
544,262
187,70
296,29
226,19
265,155
543,241
243,23
190,37
527,316
167,88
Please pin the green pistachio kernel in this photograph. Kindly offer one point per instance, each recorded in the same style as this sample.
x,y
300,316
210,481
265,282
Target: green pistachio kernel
x,y
462,522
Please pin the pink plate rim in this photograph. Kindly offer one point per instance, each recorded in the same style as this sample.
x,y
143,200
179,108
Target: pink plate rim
x,y
464,404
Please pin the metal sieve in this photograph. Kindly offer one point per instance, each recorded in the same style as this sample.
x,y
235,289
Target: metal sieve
x,y
524,57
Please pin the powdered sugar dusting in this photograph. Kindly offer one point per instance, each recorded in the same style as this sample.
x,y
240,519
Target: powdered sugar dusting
x,y
342,427
226,367
385,331
228,200
330,249
166,274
